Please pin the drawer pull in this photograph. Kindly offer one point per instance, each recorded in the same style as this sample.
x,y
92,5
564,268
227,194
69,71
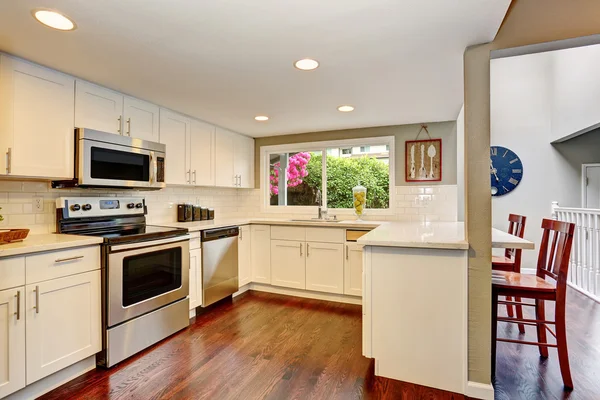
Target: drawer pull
x,y
307,250
300,248
59,260
37,299
18,313
346,252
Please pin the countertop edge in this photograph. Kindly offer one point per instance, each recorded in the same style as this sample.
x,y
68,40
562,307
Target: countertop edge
x,y
43,243
427,245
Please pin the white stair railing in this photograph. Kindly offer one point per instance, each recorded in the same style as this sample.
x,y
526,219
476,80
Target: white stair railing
x,y
584,271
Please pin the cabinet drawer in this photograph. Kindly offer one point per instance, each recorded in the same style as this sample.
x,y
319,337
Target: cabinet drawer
x,y
194,240
353,235
288,233
45,266
325,235
12,272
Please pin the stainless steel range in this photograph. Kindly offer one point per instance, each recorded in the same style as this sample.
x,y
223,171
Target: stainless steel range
x,y
145,272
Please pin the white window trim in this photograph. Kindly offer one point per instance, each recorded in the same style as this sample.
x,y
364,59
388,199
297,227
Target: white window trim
x,y
322,146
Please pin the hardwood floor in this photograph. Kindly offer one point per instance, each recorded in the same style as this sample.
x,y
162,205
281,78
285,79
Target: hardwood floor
x,y
259,346
522,374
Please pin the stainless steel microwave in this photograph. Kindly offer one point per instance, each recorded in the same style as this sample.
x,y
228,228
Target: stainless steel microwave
x,y
109,160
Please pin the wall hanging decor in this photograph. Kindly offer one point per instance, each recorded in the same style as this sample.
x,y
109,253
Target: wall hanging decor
x,y
423,159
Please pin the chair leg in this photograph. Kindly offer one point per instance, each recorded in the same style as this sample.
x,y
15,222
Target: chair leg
x,y
540,314
519,311
509,308
561,341
494,330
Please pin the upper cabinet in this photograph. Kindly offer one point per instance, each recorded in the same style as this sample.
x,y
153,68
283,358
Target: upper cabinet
x,y
175,134
202,153
36,120
98,108
140,119
235,160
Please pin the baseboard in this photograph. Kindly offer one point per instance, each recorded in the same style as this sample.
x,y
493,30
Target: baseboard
x,y
55,380
307,294
243,289
192,313
476,390
530,271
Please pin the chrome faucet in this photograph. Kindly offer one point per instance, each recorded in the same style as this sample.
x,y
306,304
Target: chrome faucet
x,y
320,202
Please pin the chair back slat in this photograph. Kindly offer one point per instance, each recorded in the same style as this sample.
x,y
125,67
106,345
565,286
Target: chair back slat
x,y
516,226
555,251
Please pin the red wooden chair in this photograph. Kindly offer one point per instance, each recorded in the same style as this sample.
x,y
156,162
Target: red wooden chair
x,y
553,262
511,262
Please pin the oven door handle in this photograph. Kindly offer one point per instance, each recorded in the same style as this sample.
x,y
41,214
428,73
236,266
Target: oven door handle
x,y
149,243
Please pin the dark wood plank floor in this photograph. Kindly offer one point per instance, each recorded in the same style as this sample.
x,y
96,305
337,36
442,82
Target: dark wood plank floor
x,y
522,374
258,346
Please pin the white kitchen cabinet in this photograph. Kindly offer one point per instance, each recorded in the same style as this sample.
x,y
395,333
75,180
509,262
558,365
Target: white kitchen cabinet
x,y
175,134
353,269
63,318
245,256
224,154
12,340
261,253
98,108
288,264
36,120
140,119
243,161
325,267
202,149
195,278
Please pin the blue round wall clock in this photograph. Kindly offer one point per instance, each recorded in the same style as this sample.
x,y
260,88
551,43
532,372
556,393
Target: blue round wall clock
x,y
506,170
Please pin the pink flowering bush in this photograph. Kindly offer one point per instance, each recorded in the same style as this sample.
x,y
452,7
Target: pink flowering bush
x,y
295,172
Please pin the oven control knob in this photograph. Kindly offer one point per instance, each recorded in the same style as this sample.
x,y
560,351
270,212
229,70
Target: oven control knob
x,y
75,207
130,205
139,205
86,207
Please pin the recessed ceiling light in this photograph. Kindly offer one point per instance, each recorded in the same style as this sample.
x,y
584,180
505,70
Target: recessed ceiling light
x,y
306,64
54,19
261,118
345,108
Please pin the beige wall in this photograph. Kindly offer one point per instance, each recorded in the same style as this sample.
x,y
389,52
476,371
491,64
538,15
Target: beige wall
x,y
444,130
528,22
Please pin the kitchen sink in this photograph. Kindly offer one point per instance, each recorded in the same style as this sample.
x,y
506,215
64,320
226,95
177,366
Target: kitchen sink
x,y
315,220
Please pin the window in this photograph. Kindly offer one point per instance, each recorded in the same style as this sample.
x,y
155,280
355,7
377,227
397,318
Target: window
x,y
313,174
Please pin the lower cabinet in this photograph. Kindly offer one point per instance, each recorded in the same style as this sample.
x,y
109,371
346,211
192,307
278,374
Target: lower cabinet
x,y
63,318
244,256
325,267
12,340
261,253
353,269
288,264
195,278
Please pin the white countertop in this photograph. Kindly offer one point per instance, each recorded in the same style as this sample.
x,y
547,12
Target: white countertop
x,y
430,235
203,225
504,240
46,242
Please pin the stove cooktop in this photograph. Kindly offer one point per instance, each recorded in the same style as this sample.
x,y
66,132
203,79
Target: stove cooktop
x,y
137,233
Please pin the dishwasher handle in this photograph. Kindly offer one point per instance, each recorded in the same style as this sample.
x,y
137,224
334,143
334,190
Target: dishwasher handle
x,y
220,233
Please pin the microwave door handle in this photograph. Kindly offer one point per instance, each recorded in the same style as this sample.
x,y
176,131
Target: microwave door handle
x,y
153,168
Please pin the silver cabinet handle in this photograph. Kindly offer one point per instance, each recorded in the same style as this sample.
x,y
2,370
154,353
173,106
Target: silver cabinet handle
x,y
300,248
119,126
128,126
194,177
59,260
37,299
8,160
240,182
189,176
307,250
18,313
346,252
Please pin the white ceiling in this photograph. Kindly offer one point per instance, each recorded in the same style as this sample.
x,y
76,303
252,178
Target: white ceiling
x,y
225,61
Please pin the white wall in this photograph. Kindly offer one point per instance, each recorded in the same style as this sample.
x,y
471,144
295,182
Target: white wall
x,y
460,164
521,116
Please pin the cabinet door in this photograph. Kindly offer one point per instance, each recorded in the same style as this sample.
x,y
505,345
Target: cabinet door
x,y
63,320
36,120
243,161
353,268
12,341
202,149
325,267
98,108
261,253
245,256
288,264
175,133
224,151
195,278
140,119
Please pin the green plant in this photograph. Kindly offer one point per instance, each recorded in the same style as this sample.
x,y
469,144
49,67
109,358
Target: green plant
x,y
1,217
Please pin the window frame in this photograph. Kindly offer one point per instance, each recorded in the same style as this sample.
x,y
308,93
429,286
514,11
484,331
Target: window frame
x,y
322,146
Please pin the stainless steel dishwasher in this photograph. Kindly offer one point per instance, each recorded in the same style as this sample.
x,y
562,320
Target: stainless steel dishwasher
x,y
219,264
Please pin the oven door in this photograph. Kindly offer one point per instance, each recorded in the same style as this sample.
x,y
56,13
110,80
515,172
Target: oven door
x,y
114,165
143,277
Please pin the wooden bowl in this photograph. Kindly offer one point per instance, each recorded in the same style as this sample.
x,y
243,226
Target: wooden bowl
x,y
13,235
